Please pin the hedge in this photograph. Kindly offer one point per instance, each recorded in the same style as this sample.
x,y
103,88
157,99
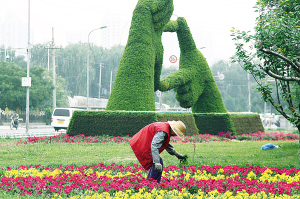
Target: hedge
x,y
213,123
112,123
186,118
247,123
121,123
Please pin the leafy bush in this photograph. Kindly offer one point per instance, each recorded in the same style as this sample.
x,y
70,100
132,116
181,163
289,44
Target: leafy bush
x,y
48,114
112,123
246,123
213,123
186,118
120,123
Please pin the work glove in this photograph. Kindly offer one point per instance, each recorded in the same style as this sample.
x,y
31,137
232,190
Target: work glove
x,y
182,157
158,167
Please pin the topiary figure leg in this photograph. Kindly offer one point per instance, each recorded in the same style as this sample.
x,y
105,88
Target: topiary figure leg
x,y
193,82
139,70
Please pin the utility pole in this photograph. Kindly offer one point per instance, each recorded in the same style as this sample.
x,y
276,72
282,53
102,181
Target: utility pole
x,y
28,71
53,65
48,60
53,48
100,80
110,83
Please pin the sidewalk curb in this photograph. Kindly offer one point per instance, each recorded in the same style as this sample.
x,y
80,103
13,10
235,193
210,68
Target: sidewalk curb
x,y
31,125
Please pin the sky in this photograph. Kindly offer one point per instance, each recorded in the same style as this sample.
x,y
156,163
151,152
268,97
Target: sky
x,y
210,21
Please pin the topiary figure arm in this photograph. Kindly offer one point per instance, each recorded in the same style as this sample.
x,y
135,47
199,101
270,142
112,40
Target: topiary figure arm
x,y
139,70
193,81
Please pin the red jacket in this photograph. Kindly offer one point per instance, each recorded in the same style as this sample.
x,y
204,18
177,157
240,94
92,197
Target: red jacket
x,y
141,142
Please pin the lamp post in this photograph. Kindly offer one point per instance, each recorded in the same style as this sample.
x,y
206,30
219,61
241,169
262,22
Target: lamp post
x,y
220,76
28,71
87,70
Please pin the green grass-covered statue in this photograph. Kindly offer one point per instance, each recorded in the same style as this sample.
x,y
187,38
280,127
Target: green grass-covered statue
x,y
139,70
193,82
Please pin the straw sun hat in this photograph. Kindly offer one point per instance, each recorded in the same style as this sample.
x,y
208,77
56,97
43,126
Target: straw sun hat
x,y
178,127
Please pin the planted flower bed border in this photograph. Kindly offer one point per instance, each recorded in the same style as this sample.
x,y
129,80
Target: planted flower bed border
x,y
117,181
222,136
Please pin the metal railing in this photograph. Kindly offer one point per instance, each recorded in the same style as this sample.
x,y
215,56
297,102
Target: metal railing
x,y
22,134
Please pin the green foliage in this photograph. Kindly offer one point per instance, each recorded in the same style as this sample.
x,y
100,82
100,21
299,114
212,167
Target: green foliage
x,y
48,115
184,162
193,81
247,123
276,54
168,97
112,123
13,94
186,118
228,122
71,65
139,71
214,123
234,87
39,55
120,123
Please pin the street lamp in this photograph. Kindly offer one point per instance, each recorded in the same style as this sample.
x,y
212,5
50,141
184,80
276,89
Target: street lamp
x,y
87,71
220,76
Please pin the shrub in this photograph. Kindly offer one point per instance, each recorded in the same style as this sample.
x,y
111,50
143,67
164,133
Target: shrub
x,y
48,114
112,123
186,118
213,123
246,123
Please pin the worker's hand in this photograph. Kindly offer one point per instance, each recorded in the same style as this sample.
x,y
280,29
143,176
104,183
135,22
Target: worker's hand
x,y
181,157
158,167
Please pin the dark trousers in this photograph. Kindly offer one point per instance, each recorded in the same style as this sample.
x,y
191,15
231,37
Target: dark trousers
x,y
154,174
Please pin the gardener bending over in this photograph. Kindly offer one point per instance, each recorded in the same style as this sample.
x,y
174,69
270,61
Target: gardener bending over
x,y
152,140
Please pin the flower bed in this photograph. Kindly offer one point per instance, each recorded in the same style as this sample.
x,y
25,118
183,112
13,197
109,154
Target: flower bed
x,y
257,136
117,181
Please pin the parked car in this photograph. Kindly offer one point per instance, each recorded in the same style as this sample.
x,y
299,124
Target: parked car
x,y
61,118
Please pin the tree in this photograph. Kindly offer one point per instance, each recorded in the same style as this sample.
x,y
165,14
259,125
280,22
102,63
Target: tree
x,y
275,44
13,95
71,62
39,56
235,87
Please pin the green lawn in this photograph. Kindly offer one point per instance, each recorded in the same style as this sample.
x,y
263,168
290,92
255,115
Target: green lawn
x,y
214,153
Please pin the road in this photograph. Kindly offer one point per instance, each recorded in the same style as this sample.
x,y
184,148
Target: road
x,y
36,130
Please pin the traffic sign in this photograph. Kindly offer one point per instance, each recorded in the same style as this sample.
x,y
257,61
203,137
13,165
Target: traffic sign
x,y
173,59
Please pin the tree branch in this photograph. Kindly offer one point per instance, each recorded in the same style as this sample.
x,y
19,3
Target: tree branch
x,y
270,73
296,65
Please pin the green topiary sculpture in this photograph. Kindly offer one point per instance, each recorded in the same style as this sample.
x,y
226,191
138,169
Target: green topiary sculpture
x,y
139,70
193,81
